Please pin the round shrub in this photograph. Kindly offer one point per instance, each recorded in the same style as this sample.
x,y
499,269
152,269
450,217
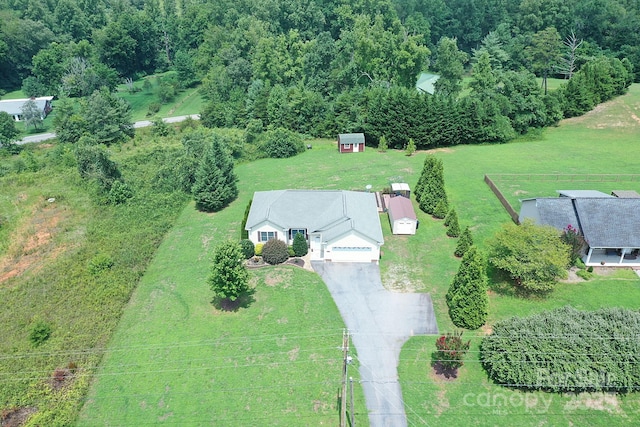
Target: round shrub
x,y
281,143
248,249
275,252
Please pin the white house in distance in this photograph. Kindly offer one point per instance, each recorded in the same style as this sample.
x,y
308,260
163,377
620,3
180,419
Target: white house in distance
x,y
13,107
340,226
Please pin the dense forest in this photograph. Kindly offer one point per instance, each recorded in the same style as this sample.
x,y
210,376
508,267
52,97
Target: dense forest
x,y
326,66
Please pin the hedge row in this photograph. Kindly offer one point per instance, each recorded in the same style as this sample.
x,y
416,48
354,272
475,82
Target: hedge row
x,y
566,350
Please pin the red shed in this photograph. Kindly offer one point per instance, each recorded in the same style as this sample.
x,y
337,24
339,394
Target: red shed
x,y
351,142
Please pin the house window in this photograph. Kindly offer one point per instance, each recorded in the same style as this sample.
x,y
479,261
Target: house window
x,y
264,236
346,145
294,231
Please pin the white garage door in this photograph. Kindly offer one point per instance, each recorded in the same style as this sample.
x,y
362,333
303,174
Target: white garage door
x,y
350,254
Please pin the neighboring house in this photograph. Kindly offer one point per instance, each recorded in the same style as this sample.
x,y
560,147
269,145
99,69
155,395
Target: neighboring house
x,y
426,83
351,142
609,225
340,226
402,216
13,107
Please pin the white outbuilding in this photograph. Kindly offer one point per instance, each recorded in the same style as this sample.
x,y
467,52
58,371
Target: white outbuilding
x,y
402,216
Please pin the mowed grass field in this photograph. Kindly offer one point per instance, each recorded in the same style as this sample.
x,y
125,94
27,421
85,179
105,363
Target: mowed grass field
x,y
175,359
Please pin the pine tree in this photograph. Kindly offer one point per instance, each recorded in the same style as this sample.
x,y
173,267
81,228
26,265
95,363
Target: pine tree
x,y
411,147
453,227
229,278
467,296
300,245
464,243
382,144
441,209
215,181
431,185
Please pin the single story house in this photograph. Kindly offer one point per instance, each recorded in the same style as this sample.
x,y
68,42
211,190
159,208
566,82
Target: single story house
x,y
340,226
351,142
402,216
610,225
13,107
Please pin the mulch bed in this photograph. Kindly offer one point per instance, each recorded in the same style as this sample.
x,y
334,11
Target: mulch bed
x,y
16,417
257,262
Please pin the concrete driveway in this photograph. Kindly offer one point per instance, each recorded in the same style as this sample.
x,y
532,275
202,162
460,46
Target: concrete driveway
x,y
380,322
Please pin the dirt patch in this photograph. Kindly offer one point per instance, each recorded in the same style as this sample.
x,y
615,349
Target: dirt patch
x,y
607,402
437,150
444,373
293,354
32,243
397,278
16,417
277,277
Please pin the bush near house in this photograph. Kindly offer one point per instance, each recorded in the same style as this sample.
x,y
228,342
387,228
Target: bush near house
x,y
275,251
566,351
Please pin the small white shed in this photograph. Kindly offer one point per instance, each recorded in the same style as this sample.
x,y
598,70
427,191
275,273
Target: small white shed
x,y
402,216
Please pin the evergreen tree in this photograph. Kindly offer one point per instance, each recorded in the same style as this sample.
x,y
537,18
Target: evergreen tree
x,y
215,181
411,147
431,185
467,296
464,243
453,227
229,278
441,209
300,245
8,131
382,144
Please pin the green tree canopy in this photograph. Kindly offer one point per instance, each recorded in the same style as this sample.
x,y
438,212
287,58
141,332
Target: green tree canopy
x,y
215,181
467,297
450,65
8,131
532,255
31,114
229,279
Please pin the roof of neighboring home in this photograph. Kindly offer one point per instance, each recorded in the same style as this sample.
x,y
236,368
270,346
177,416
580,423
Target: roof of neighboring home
x,y
351,138
426,82
14,106
605,222
401,207
610,222
332,212
626,194
574,194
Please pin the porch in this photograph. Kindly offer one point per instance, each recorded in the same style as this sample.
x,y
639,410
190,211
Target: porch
x,y
612,257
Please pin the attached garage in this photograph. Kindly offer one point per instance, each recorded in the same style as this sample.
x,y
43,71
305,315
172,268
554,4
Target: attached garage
x,y
352,248
402,216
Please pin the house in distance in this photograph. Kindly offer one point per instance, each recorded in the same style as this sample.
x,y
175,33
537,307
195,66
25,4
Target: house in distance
x,y
13,107
351,142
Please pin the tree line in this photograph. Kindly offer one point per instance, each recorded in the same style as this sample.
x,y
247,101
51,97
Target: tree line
x,y
324,67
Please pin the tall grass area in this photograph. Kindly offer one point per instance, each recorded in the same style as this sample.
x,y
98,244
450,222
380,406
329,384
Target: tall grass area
x,y
47,276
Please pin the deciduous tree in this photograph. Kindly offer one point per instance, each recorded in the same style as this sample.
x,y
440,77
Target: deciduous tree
x,y
229,279
532,255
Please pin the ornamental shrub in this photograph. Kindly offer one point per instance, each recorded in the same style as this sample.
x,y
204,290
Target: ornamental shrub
x,y
453,228
281,143
451,350
441,209
275,251
566,351
258,248
467,297
40,332
248,248
300,245
464,243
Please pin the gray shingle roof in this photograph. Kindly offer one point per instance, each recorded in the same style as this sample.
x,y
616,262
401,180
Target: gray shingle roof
x,y
605,222
333,212
610,222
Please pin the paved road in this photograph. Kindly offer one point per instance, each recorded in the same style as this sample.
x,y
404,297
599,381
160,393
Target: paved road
x,y
380,322
143,123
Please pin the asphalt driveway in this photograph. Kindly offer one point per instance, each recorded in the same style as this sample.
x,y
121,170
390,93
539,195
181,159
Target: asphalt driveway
x,y
380,322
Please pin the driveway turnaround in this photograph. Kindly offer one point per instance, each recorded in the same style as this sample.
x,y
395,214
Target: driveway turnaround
x,y
380,322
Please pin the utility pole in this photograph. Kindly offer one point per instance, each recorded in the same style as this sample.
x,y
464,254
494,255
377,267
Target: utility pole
x,y
343,394
353,416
